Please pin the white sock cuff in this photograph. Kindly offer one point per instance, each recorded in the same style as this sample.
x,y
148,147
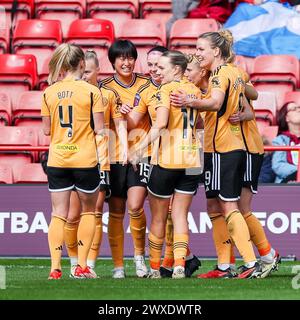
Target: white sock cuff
x,y
74,261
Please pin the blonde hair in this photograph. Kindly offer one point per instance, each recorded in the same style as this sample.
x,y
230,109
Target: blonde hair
x,y
223,40
177,58
192,58
65,58
91,55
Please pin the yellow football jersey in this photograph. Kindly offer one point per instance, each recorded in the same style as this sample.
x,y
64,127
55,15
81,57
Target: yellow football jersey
x,y
128,95
111,101
179,147
147,103
220,135
70,104
252,137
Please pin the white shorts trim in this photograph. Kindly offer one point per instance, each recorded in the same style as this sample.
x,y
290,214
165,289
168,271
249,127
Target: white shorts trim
x,y
61,190
88,191
185,192
252,190
228,199
158,195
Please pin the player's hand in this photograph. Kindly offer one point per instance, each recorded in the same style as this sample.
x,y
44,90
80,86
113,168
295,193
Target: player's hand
x,y
125,158
179,98
235,118
134,159
125,108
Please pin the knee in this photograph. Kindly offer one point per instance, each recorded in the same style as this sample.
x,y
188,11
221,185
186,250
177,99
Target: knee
x,y
213,207
134,210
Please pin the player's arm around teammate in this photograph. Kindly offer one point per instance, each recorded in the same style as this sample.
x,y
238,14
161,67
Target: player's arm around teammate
x,y
224,144
142,107
171,177
72,114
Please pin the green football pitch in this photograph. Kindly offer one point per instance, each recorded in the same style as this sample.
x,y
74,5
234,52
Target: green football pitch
x,y
27,279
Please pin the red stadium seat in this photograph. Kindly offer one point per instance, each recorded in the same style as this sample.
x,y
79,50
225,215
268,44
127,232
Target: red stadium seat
x,y
29,173
4,33
269,133
249,62
265,107
17,10
116,11
106,69
279,89
262,124
93,34
18,73
43,76
156,9
37,37
272,69
28,110
145,34
5,109
6,174
293,96
42,139
17,136
240,62
64,10
185,32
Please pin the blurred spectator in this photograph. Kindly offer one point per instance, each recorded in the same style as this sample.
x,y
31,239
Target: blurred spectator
x,y
266,175
180,9
219,10
284,164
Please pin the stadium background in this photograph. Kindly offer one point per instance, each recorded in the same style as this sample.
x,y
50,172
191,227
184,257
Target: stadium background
x,y
21,32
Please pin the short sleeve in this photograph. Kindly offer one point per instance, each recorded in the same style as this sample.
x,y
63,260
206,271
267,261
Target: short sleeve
x,y
45,111
219,82
113,103
97,101
162,98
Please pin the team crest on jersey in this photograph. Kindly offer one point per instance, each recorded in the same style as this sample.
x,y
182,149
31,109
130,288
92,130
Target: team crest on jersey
x,y
104,101
137,99
158,96
119,105
215,82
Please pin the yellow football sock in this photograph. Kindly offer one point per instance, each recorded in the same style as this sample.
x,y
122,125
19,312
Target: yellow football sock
x,y
155,249
116,238
221,238
168,260
94,250
85,235
56,240
257,234
138,230
70,235
181,241
239,232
